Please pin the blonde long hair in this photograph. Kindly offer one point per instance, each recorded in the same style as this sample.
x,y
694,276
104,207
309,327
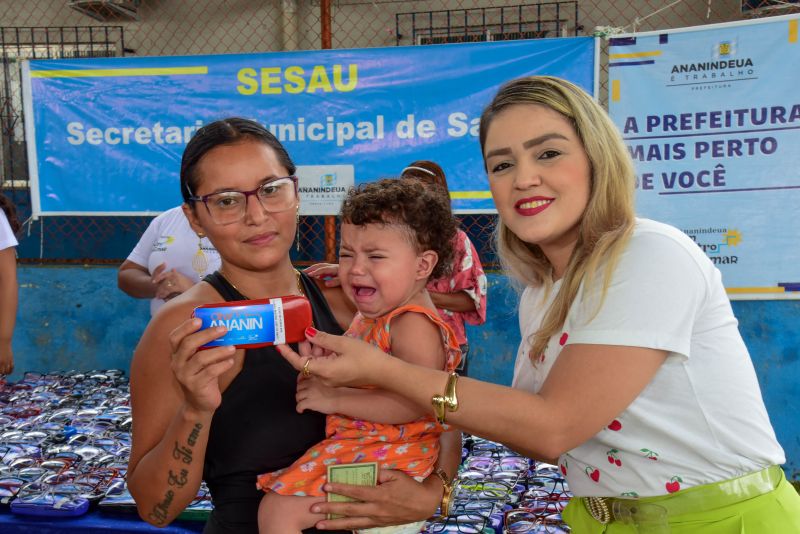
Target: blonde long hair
x,y
607,221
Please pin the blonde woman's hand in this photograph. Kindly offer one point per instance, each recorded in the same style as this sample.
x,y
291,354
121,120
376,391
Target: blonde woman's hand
x,y
350,361
198,371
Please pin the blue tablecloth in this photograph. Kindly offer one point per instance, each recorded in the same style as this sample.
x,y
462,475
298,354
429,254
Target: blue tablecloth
x,y
91,523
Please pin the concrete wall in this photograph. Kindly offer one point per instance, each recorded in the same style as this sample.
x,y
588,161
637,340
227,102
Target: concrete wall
x,y
76,318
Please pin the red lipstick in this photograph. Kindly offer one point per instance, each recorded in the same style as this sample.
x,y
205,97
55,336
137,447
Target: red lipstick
x,y
531,206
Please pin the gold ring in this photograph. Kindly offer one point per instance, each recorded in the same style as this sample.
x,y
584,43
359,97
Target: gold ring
x,y
306,371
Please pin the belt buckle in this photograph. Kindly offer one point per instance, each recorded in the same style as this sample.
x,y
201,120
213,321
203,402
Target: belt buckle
x,y
599,509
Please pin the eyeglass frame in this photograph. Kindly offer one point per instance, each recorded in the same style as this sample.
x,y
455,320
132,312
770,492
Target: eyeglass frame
x,y
506,477
473,506
490,464
550,483
247,195
482,490
457,522
496,453
544,519
542,506
542,494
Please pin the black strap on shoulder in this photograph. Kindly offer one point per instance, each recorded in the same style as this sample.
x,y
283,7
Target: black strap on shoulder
x,y
223,287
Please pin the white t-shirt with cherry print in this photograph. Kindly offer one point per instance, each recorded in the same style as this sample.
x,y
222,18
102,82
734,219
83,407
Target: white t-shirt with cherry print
x,y
688,426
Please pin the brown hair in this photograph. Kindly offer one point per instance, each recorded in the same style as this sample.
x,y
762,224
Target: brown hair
x,y
427,171
225,132
407,202
11,213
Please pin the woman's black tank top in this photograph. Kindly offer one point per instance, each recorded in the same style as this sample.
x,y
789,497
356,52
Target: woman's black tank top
x,y
257,429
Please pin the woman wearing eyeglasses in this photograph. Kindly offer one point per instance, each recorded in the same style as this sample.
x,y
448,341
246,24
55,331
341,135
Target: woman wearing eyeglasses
x,y
631,370
227,415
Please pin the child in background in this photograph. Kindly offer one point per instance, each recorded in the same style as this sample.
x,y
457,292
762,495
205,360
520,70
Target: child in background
x,y
460,297
395,235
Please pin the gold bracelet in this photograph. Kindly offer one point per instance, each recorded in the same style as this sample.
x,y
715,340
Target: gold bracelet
x,y
447,402
447,492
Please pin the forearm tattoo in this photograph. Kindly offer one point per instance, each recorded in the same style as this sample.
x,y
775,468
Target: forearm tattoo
x,y
178,480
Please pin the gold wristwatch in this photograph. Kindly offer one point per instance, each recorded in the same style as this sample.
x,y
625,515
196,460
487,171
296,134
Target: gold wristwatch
x,y
447,492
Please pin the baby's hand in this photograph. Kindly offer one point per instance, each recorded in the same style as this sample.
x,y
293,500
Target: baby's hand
x,y
312,394
307,350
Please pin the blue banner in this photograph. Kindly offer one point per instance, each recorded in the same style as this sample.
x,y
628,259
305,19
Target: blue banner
x,y
107,134
712,118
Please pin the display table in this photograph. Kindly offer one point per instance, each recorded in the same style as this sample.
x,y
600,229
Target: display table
x,y
92,523
65,440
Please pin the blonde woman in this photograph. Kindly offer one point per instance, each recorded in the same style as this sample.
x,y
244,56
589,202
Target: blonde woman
x,y
631,374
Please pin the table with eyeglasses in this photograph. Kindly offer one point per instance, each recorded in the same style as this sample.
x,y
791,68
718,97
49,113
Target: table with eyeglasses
x,y
64,447
65,442
498,491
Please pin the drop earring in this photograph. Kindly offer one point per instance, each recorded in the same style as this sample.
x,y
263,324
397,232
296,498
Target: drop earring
x,y
297,235
200,261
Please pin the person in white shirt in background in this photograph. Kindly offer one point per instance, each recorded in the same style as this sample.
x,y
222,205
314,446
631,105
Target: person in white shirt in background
x,y
168,259
9,226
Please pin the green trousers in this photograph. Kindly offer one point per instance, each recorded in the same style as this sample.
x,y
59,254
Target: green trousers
x,y
775,512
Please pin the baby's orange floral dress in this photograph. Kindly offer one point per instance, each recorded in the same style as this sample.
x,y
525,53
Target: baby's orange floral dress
x,y
410,447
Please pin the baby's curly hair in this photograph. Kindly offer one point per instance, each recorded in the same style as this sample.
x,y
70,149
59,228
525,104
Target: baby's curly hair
x,y
408,202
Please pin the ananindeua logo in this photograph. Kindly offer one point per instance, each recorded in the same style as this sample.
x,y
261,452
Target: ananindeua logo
x,y
327,184
723,66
